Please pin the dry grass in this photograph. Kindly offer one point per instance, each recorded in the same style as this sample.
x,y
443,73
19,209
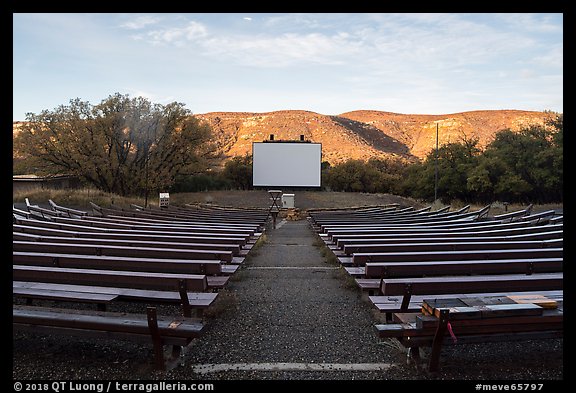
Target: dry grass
x,y
80,198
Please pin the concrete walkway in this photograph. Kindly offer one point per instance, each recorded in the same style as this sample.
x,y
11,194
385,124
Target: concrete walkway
x,y
288,314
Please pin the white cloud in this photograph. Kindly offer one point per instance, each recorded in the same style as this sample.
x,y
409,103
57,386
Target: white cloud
x,y
153,97
140,22
247,18
178,35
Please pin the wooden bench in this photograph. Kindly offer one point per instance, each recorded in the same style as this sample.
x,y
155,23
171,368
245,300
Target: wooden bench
x,y
419,219
402,230
172,227
155,232
181,285
470,267
225,216
57,294
360,259
138,264
453,245
368,277
483,319
497,231
233,248
29,228
20,214
443,237
392,304
515,214
406,287
87,248
104,295
118,278
72,213
161,331
153,221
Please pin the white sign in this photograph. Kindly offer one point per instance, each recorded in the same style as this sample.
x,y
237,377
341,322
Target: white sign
x,y
164,199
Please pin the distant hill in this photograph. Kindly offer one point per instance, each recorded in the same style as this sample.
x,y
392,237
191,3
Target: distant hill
x,y
363,134
360,134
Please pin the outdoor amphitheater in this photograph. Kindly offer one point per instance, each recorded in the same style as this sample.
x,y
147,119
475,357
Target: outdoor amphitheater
x,y
206,292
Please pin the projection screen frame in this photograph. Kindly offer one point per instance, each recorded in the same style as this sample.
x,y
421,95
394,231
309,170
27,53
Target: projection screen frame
x,y
267,180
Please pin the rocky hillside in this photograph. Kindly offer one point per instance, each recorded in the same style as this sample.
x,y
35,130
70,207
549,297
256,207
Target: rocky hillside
x,y
363,134
418,132
341,138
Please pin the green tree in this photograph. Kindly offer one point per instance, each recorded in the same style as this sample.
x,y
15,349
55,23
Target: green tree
x,y
454,162
122,145
238,172
525,165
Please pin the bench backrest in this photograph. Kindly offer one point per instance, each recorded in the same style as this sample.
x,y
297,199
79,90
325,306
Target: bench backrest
x,y
454,246
97,249
235,249
160,265
423,256
537,233
435,268
471,284
113,278
185,238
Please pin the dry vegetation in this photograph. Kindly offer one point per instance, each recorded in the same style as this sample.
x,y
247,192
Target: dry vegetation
x,y
304,200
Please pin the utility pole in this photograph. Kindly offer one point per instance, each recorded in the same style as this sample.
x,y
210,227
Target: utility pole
x,y
436,167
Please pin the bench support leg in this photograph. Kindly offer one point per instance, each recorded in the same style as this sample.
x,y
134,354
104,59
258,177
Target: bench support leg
x,y
413,356
156,339
406,298
182,289
438,338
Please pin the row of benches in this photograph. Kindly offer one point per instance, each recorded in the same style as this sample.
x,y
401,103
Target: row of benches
x,y
169,256
404,257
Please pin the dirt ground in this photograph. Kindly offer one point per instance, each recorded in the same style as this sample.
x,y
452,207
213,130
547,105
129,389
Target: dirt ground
x,y
302,199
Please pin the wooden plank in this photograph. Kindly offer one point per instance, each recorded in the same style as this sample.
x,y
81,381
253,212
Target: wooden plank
x,y
139,280
97,249
103,321
54,294
159,265
539,300
425,256
467,284
442,267
195,299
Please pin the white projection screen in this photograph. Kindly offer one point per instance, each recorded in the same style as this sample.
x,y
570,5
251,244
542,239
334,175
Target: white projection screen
x,y
286,164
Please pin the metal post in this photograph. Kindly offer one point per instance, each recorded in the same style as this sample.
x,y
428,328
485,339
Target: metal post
x,y
436,167
146,180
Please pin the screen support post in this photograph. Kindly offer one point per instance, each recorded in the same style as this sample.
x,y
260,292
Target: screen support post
x,y
274,207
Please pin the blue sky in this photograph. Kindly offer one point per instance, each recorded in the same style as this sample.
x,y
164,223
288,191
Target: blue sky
x,y
327,63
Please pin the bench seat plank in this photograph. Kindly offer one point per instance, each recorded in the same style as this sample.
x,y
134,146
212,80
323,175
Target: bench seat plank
x,y
457,284
196,299
128,279
57,294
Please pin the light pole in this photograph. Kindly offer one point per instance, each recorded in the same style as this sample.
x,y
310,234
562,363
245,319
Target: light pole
x,y
436,167
146,182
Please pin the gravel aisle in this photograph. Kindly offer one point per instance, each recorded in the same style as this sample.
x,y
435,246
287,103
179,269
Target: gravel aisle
x,y
290,306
